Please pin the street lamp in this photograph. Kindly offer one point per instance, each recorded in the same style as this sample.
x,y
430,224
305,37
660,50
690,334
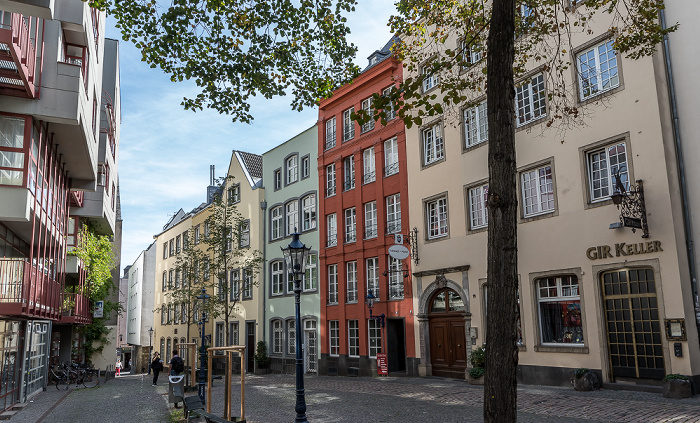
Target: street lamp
x,y
370,299
150,348
202,352
295,255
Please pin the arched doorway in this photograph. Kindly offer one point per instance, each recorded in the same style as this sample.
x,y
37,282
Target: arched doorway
x,y
448,342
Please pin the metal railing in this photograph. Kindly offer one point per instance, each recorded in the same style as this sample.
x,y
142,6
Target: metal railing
x,y
391,169
332,241
349,184
393,226
371,232
330,191
29,289
333,297
369,177
350,236
12,275
351,296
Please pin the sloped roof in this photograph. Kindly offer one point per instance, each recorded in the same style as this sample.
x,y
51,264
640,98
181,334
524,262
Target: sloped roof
x,y
382,54
177,218
253,163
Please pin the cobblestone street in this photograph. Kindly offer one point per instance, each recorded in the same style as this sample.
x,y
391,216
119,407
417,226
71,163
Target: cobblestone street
x,y
270,399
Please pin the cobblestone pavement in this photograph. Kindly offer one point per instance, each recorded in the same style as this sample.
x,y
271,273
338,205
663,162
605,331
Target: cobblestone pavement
x,y
271,399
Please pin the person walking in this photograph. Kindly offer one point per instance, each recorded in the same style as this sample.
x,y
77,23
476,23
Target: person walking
x,y
156,366
177,366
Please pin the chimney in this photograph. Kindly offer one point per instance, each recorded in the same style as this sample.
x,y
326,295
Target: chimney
x,y
211,189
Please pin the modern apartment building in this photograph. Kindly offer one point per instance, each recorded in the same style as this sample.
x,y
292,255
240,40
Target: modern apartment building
x,y
291,198
139,306
362,169
592,292
56,67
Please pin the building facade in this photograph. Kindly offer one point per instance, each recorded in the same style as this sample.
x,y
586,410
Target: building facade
x,y
592,293
139,307
362,169
291,196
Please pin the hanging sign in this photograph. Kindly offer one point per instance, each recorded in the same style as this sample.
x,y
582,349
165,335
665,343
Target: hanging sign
x,y
399,252
382,364
99,309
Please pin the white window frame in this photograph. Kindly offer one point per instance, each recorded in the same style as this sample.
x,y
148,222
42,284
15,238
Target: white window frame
x,y
471,54
437,217
476,128
530,105
478,211
592,80
348,125
371,220
276,218
219,334
292,166
349,173
391,157
374,338
277,336
557,293
393,213
330,133
537,187
430,80
433,145
351,281
233,333
234,194
350,225
353,338
369,173
277,277
334,338
311,273
308,204
396,283
235,285
247,283
372,270
601,170
291,216
332,284
278,179
305,167
331,230
244,233
291,337
330,180
389,110
367,106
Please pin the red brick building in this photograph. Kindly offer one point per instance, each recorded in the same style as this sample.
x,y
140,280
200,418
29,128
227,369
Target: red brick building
x,y
362,170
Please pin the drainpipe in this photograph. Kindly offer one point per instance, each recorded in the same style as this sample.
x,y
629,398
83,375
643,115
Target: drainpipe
x,y
687,224
263,207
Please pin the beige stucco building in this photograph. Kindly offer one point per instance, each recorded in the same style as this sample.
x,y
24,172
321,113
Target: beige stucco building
x,y
592,293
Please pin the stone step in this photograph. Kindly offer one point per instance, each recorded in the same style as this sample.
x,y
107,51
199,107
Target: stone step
x,y
7,415
633,387
19,406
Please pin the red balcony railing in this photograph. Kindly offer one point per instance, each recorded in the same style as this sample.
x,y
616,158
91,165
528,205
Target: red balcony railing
x,y
29,290
77,198
76,309
20,37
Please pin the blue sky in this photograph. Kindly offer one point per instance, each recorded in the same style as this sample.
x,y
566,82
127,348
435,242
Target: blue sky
x,y
165,151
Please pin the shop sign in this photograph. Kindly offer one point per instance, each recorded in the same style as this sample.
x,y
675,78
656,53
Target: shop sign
x,y
399,252
382,364
622,249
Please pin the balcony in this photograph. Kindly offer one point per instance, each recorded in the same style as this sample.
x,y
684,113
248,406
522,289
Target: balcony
x,y
18,58
29,290
76,309
77,198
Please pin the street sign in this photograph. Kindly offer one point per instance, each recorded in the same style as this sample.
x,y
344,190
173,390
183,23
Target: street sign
x,y
399,252
99,309
382,364
632,222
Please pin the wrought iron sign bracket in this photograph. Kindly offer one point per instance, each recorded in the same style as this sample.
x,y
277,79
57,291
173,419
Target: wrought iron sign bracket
x,y
413,243
633,213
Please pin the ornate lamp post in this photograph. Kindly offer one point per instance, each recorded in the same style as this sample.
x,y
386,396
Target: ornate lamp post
x,y
150,348
295,255
202,352
370,299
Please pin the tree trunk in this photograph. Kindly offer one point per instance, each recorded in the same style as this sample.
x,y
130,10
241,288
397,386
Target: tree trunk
x,y
500,390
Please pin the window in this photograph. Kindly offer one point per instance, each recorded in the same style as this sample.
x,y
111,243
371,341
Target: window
x,y
183,314
102,171
291,337
276,222
333,284
330,180
478,213
390,111
597,70
310,275
348,125
375,337
308,205
177,244
368,173
349,173
196,234
331,230
395,279
114,197
177,278
603,165
471,52
538,191
168,349
163,316
369,110
373,276
436,213
219,334
233,333
330,133
334,337
165,250
350,235
235,288
277,271
351,281
433,147
391,157
247,283
278,179
560,310
206,230
234,194
305,167
290,283
292,217
277,337
205,272
292,170
371,220
171,247
165,281
353,338
430,77
530,100
393,214
476,129
244,233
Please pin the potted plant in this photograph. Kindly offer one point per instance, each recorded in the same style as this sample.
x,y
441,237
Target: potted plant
x,y
584,379
478,361
677,386
262,360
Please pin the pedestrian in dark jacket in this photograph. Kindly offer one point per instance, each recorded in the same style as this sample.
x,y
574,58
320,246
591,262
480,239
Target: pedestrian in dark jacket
x,y
156,366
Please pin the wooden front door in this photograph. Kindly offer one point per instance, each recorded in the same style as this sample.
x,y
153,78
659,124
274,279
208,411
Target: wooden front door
x,y
448,347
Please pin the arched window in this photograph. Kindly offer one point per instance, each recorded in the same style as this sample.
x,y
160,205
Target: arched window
x,y
162,345
168,350
446,300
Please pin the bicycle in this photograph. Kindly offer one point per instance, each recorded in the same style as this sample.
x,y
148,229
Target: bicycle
x,y
61,378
